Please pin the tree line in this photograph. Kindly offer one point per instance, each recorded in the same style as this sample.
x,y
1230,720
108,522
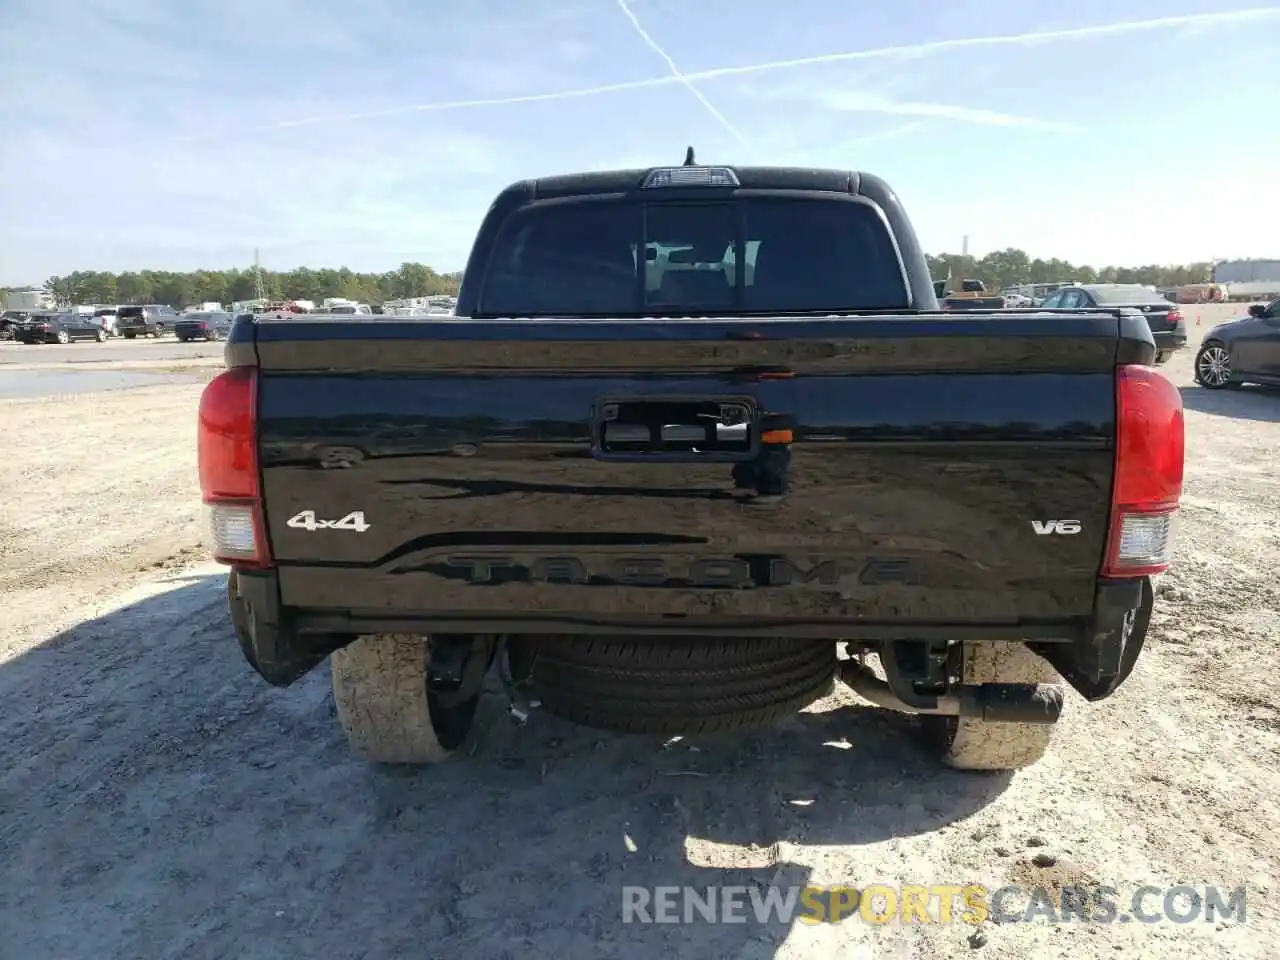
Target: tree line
x,y
228,286
998,270
1009,267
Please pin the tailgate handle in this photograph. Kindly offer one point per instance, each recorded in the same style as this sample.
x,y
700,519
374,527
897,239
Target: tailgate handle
x,y
675,428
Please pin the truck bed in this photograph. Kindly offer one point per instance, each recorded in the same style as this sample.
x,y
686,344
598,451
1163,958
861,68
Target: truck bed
x,y
903,470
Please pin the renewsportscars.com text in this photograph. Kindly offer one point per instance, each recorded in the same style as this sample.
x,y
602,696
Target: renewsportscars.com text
x,y
933,904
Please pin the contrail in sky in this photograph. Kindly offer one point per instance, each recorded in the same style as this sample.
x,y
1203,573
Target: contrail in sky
x,y
1257,14
675,73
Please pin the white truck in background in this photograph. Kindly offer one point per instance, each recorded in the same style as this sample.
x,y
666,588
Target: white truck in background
x,y
1248,280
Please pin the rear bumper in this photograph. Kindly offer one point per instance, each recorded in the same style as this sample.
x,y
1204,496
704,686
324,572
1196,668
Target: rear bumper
x,y
1094,654
1167,341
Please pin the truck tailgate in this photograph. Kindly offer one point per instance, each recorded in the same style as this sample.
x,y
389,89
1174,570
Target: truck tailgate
x,y
894,469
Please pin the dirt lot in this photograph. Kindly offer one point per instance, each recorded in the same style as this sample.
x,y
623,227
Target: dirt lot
x,y
158,800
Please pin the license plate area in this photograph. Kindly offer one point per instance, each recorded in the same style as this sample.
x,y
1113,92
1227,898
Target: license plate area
x,y
676,428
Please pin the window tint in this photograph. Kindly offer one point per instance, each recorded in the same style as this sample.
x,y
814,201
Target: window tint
x,y
820,255
130,312
601,258
571,259
689,257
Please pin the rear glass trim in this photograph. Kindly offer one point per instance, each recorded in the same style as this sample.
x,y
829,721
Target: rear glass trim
x,y
898,291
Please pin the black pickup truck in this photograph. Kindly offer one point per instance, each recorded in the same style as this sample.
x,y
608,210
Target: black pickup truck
x,y
698,443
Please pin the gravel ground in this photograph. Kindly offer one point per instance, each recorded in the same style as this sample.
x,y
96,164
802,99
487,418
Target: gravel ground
x,y
158,800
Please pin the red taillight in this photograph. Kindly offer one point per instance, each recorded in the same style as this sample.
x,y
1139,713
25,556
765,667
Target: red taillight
x,y
1176,317
1150,449
227,453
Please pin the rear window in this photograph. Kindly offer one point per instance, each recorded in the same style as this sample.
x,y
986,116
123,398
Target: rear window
x,y
621,258
126,312
1121,295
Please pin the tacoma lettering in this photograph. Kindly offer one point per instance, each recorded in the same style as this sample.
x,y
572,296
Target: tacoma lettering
x,y
708,572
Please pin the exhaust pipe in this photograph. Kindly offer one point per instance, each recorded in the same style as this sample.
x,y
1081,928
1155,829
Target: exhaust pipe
x,y
992,702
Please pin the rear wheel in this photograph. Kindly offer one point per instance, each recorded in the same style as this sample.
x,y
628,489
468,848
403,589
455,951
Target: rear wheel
x,y
385,706
63,337
1213,366
674,686
101,336
967,743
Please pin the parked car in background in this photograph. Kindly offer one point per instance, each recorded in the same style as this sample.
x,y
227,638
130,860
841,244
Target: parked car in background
x,y
283,309
967,295
11,321
107,318
347,310
1242,351
1202,293
152,320
1168,323
213,325
61,328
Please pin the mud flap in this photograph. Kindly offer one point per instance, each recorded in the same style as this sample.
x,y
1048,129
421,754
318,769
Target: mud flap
x,y
280,656
1098,664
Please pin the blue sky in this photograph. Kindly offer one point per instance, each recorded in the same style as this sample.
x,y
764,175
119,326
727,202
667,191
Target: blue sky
x,y
175,135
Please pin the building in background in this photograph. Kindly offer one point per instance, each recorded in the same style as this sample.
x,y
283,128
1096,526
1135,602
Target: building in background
x,y
28,299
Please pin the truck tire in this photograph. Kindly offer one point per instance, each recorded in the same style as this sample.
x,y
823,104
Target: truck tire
x,y
380,689
676,686
967,743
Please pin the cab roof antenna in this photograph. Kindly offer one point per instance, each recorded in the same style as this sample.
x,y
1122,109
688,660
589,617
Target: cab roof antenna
x,y
688,157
